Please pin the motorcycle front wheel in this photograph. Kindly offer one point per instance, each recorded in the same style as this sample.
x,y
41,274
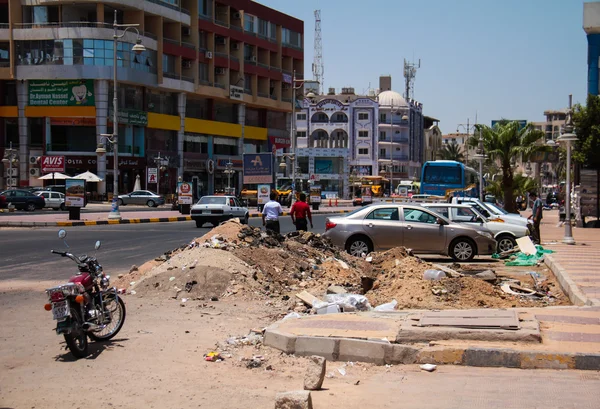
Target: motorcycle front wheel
x,y
116,307
77,339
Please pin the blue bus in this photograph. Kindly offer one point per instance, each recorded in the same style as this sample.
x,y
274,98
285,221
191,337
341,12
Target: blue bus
x,y
449,178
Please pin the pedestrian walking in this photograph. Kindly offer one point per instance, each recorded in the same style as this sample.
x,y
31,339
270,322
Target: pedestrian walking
x,y
536,215
301,214
271,212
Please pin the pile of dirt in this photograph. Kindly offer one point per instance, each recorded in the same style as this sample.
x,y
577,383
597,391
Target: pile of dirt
x,y
401,278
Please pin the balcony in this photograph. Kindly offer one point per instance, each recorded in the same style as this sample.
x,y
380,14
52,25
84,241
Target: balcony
x,y
249,61
236,28
205,82
272,68
397,121
150,35
220,54
218,85
188,79
247,91
188,45
205,17
262,94
221,23
170,41
171,75
265,66
170,6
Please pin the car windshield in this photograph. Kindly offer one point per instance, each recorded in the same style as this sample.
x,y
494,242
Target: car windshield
x,y
216,200
496,207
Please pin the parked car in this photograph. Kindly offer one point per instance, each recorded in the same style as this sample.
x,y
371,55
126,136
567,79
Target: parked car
x,y
384,226
3,202
54,200
141,197
216,209
493,211
23,199
506,234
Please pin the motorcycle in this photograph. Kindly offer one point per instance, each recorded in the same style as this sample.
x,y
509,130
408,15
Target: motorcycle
x,y
86,306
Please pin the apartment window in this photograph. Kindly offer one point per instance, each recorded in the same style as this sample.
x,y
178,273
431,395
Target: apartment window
x,y
249,23
263,28
382,136
291,38
248,52
301,117
168,63
363,134
363,116
272,31
363,151
381,152
301,134
382,117
203,71
205,7
203,42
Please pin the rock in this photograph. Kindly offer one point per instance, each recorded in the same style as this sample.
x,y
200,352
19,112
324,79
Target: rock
x,y
133,268
214,298
315,373
487,275
120,276
367,284
253,363
336,289
293,400
249,240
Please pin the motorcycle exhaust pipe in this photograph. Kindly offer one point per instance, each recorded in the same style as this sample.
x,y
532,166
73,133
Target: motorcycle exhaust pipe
x,y
91,327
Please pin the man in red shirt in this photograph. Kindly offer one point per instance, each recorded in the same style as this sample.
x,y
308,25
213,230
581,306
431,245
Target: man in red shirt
x,y
300,212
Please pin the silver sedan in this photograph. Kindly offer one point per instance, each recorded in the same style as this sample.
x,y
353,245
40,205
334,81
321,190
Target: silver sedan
x,y
384,226
141,197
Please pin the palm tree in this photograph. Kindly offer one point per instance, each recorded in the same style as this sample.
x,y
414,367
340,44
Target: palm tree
x,y
506,142
451,151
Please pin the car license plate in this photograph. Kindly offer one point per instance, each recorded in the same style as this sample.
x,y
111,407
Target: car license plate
x,y
60,310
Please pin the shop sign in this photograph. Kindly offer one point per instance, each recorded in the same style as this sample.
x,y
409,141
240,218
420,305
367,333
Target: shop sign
x,y
53,164
194,164
237,164
258,168
184,193
130,117
74,192
280,141
264,194
152,175
236,93
61,93
73,121
89,162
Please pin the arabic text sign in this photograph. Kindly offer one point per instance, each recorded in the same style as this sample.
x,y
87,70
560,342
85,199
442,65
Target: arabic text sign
x,y
74,192
258,168
184,193
61,93
53,164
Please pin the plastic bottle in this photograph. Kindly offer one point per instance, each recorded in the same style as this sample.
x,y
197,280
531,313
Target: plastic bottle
x,y
433,275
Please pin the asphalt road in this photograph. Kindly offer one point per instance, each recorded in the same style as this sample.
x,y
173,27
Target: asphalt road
x,y
25,253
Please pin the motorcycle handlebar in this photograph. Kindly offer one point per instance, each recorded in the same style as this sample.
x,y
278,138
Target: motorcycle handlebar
x,y
65,254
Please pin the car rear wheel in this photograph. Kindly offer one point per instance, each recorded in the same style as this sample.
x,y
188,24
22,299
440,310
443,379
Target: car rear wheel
x,y
62,206
199,223
120,202
462,249
506,243
30,207
151,203
245,219
359,246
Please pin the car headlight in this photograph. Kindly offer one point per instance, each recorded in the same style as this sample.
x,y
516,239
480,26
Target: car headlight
x,y
485,234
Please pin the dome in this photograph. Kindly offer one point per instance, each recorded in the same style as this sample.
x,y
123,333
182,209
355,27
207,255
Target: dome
x,y
389,98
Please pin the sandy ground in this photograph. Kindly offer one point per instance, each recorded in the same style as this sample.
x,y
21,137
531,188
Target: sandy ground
x,y
156,361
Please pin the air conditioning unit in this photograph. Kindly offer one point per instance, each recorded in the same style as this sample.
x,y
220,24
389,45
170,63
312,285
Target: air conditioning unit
x,y
208,55
253,58
12,172
33,160
186,31
186,64
235,46
34,172
220,71
220,40
236,16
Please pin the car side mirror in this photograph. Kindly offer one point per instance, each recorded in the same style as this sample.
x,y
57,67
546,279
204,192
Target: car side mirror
x,y
441,221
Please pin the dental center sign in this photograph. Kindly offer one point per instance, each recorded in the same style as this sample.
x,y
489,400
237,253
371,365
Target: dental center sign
x,y
61,93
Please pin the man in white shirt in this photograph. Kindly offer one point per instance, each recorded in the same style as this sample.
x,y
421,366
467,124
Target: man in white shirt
x,y
271,212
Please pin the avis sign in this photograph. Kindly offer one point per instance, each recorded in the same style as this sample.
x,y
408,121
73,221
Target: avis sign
x,y
53,164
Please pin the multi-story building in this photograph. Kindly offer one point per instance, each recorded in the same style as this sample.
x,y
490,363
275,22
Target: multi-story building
x,y
433,138
336,135
401,134
213,83
591,26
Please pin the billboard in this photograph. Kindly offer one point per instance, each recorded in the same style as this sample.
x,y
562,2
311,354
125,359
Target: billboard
x,y
522,122
74,192
61,92
184,193
258,168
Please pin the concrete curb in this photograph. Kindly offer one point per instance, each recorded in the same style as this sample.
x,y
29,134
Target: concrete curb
x,y
576,296
75,223
384,353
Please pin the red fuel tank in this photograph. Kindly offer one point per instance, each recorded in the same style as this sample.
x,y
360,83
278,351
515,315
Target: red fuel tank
x,y
85,279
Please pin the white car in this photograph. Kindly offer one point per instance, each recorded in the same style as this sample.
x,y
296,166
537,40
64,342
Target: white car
x,y
216,209
54,200
505,233
493,212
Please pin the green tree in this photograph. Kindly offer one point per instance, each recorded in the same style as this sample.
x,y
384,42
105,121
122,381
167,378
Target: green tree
x,y
587,148
506,142
451,151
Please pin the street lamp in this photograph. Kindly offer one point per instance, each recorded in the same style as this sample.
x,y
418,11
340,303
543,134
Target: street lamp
x,y
159,161
10,157
138,48
568,137
292,154
229,171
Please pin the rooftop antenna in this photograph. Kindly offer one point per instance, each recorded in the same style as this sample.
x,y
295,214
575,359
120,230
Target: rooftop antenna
x,y
410,72
318,68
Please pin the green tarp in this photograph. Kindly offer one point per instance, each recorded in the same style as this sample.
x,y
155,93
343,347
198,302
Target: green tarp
x,y
524,260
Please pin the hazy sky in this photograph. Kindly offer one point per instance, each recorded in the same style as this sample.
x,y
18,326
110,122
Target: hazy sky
x,y
497,58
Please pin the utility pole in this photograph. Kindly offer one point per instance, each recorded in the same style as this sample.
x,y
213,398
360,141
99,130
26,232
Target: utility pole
x,y
410,72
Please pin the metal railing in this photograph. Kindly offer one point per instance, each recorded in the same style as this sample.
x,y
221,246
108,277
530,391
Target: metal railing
x,y
287,100
218,85
247,91
251,33
4,25
247,61
171,75
64,24
400,140
221,23
205,82
188,45
220,54
234,58
339,121
262,94
171,41
265,66
273,97
295,47
272,68
188,79
205,17
150,35
170,6
236,28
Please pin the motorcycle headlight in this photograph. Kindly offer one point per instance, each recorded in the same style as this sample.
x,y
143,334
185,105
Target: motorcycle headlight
x,y
485,234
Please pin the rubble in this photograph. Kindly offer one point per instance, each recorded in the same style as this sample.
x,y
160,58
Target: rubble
x,y
315,373
293,400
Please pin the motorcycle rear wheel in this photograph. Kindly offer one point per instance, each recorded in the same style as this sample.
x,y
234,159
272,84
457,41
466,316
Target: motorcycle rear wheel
x,y
116,322
77,339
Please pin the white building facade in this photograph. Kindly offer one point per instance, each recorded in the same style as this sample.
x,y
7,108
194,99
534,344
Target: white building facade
x,y
335,136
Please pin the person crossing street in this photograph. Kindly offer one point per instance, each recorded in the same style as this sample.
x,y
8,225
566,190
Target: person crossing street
x,y
271,212
536,215
301,214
